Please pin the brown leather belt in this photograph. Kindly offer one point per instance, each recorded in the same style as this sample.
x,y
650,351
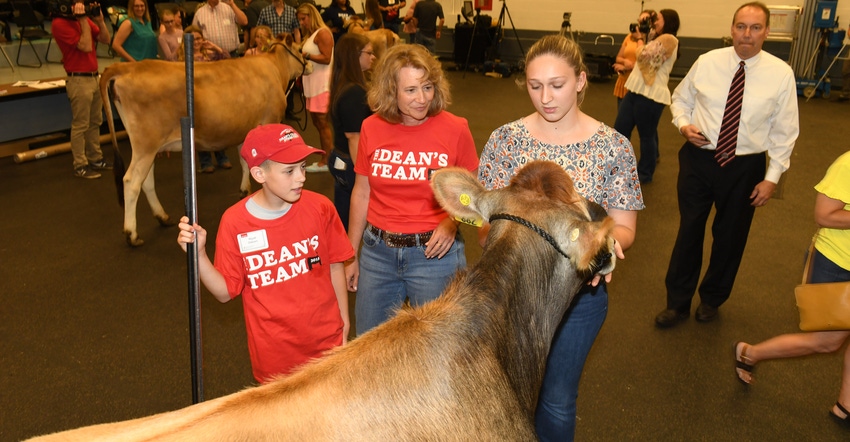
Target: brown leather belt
x,y
398,240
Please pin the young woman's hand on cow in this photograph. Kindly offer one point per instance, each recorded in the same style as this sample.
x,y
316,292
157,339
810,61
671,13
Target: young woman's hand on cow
x,y
189,233
442,239
618,251
624,236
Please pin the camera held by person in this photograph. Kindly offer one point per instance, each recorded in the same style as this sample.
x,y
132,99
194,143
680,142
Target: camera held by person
x,y
65,8
643,26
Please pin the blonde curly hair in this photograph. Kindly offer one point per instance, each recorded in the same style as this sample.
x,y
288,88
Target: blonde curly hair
x,y
383,95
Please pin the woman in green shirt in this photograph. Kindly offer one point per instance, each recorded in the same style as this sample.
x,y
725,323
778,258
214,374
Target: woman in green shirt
x,y
135,39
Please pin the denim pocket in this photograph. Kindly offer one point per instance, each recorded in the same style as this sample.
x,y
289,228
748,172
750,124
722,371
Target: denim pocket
x,y
370,239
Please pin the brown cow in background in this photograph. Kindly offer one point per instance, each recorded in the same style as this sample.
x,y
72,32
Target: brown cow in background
x,y
231,98
467,366
381,39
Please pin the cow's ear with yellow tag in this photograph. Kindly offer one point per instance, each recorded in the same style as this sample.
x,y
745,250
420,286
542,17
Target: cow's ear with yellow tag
x,y
459,193
465,200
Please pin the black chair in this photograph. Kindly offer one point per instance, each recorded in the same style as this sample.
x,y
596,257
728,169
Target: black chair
x,y
30,27
3,48
6,14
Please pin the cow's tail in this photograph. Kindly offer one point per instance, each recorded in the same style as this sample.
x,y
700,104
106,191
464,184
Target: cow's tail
x,y
118,168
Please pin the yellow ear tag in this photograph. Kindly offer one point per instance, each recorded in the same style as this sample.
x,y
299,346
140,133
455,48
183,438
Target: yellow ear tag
x,y
465,199
574,235
477,222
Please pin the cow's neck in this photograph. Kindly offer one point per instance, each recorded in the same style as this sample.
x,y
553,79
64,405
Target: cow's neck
x,y
530,286
283,65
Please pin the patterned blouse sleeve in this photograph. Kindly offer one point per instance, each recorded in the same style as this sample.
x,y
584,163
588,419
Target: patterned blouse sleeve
x,y
490,164
654,54
623,186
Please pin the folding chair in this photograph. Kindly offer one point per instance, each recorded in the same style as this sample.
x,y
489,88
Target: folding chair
x,y
3,49
31,27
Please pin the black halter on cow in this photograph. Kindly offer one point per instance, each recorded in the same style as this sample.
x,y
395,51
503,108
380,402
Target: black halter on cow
x,y
231,98
467,366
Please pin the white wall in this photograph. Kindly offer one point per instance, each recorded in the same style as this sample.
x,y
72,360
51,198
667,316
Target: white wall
x,y
700,18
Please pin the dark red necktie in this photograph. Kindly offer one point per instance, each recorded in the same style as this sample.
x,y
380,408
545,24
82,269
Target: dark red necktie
x,y
728,139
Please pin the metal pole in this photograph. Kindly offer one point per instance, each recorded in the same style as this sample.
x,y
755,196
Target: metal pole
x,y
191,203
501,30
471,41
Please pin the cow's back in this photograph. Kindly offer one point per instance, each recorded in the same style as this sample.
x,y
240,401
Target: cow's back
x,y
231,97
408,380
445,382
234,96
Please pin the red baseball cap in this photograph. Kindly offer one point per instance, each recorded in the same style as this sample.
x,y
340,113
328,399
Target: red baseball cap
x,y
276,142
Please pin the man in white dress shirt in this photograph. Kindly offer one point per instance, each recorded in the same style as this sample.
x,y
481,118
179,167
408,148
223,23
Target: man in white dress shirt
x,y
769,126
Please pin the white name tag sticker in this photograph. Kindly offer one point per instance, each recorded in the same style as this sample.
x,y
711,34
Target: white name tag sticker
x,y
253,241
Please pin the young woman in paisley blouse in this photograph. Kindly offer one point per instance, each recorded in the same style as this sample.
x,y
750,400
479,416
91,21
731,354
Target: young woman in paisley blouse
x,y
602,165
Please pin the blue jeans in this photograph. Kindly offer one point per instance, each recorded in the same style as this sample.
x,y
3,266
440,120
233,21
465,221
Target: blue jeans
x,y
393,24
205,158
637,110
343,185
555,419
824,270
430,43
389,275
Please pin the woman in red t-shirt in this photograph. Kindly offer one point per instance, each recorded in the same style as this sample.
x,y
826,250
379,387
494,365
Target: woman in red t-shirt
x,y
411,248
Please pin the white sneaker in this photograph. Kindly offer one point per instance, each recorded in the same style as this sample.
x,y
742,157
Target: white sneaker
x,y
315,167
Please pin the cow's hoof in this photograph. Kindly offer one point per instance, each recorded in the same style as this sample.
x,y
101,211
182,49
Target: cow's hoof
x,y
165,221
133,240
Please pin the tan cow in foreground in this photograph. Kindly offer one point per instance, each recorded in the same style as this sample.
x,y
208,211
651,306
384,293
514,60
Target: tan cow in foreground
x,y
467,366
231,98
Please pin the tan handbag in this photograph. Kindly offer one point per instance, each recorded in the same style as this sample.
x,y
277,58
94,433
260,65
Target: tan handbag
x,y
825,306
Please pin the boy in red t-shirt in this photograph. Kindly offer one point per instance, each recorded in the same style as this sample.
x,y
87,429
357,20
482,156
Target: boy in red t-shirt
x,y
281,248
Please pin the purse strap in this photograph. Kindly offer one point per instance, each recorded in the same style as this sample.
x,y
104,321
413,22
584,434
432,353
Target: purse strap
x,y
807,268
